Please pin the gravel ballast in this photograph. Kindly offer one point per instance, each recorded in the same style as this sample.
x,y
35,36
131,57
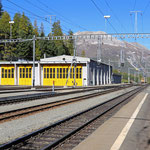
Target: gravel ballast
x,y
16,128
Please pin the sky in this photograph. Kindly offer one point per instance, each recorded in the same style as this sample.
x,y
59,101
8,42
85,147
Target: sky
x,y
86,15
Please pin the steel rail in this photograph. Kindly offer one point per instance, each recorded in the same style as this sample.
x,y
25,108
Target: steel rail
x,y
4,116
22,98
23,140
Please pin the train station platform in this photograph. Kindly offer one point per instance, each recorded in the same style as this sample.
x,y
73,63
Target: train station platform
x,y
128,129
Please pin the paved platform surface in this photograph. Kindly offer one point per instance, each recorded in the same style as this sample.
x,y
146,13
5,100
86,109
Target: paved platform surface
x,y
128,129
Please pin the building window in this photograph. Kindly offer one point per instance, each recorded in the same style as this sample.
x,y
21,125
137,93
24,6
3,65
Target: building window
x,y
20,72
8,73
5,73
50,72
66,72
12,72
23,72
60,72
47,72
80,73
77,73
2,72
53,72
27,73
63,72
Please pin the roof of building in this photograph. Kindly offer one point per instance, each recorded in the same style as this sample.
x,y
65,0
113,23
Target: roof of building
x,y
65,59
62,59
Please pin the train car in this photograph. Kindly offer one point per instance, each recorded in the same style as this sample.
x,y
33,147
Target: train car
x,y
58,71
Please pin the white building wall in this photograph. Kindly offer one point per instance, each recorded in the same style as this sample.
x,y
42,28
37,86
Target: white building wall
x,y
88,73
36,76
98,75
15,74
42,75
93,76
84,76
17,80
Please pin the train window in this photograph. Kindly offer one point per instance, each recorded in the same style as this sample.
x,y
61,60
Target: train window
x,y
47,72
77,73
20,72
60,72
80,73
27,73
44,72
5,73
2,72
50,72
57,72
8,73
53,72
12,73
63,72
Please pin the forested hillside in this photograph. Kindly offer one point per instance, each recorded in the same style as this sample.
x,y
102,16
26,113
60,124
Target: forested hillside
x,y
23,28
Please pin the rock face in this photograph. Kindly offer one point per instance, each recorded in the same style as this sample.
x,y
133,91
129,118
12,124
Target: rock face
x,y
135,55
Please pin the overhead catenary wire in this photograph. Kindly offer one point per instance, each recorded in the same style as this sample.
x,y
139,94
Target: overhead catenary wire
x,y
43,10
26,10
42,18
101,13
134,5
147,5
115,15
63,18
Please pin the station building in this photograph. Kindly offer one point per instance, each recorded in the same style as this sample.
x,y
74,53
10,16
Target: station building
x,y
55,70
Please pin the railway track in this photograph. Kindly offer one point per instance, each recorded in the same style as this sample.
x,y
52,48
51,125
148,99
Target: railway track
x,y
29,97
15,114
52,136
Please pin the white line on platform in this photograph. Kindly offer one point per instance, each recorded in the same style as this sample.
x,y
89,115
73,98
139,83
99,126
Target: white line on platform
x,y
127,127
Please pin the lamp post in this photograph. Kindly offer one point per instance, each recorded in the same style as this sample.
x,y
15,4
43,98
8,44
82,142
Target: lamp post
x,y
106,17
11,22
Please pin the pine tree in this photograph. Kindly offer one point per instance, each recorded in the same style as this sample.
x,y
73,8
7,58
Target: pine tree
x,y
1,10
4,25
70,43
15,31
35,28
5,33
61,47
42,30
25,49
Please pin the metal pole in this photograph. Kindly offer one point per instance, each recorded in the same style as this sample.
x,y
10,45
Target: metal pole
x,y
99,53
106,25
74,60
33,79
138,77
135,25
109,73
135,22
128,75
